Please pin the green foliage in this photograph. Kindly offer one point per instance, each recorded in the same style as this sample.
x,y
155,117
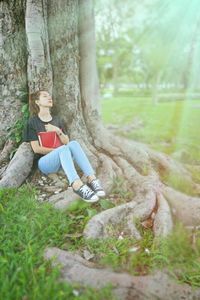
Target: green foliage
x,y
25,232
111,252
106,204
121,190
175,253
16,131
195,172
179,252
139,42
27,227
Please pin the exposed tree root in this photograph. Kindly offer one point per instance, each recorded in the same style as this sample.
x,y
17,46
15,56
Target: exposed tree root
x,y
163,223
7,149
64,199
106,172
112,165
184,208
127,214
3,169
19,167
75,269
166,166
4,156
144,159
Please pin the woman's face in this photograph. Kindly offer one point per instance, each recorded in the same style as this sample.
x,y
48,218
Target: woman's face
x,y
45,100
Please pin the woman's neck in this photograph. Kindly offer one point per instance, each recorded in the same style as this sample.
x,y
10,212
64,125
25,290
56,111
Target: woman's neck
x,y
44,114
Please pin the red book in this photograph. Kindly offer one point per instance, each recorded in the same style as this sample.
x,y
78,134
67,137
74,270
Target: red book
x,y
49,139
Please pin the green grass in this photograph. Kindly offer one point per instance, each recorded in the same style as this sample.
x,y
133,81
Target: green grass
x,y
175,253
167,126
27,227
178,253
180,184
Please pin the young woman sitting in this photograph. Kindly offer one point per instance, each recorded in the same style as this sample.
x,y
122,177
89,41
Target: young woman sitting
x,y
50,160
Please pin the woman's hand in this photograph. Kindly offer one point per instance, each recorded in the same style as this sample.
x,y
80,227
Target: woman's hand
x,y
50,127
63,137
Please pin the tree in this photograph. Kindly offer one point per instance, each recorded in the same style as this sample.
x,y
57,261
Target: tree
x,y
59,51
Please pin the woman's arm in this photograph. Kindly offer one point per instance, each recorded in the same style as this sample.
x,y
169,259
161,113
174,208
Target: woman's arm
x,y
63,137
39,149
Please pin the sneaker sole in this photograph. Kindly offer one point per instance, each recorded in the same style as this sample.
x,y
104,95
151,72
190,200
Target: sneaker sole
x,y
100,194
90,200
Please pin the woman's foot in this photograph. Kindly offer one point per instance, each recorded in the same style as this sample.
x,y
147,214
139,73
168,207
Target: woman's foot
x,y
85,192
95,185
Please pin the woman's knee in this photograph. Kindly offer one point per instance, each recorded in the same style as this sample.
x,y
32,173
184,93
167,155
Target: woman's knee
x,y
62,148
73,143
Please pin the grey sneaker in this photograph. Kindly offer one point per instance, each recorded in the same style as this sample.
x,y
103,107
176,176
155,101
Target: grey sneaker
x,y
86,193
96,187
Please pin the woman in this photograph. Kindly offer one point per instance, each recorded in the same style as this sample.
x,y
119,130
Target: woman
x,y
50,160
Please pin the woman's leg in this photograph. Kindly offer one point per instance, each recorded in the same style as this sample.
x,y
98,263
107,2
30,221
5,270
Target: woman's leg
x,y
51,163
62,156
86,167
83,162
81,158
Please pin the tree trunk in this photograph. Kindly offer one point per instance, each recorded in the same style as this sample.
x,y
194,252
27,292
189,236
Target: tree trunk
x,y
39,64
13,56
155,94
60,55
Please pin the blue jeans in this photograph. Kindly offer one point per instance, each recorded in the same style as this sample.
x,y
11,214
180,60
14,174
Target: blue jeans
x,y
62,157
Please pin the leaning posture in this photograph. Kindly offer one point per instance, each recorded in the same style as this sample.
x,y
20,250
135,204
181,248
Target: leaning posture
x,y
62,152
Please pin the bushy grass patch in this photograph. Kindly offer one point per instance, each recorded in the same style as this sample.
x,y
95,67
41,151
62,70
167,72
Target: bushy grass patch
x,y
179,183
177,254
27,227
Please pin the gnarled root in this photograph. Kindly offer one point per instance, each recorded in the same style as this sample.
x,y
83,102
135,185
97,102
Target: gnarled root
x,y
127,214
163,223
19,167
7,149
75,269
184,208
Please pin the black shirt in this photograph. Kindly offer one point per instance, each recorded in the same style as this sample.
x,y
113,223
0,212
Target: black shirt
x,y
35,125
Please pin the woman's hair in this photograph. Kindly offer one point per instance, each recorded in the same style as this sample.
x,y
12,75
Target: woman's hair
x,y
34,108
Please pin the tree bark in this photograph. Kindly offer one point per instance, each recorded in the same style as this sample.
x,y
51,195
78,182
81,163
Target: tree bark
x,y
89,83
13,53
19,167
63,39
39,64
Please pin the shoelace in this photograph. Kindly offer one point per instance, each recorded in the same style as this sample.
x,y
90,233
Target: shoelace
x,y
87,192
96,185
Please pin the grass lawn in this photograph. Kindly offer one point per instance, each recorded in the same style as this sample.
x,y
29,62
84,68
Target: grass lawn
x,y
28,227
166,126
